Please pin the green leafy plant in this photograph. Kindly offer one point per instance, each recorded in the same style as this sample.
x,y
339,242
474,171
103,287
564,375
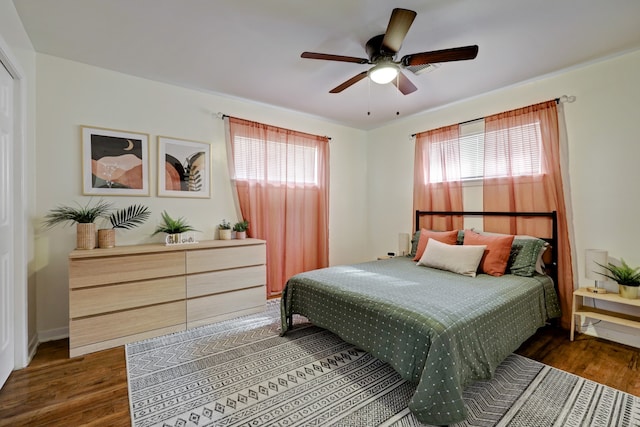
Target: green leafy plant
x,y
241,226
225,225
77,214
129,217
623,274
172,226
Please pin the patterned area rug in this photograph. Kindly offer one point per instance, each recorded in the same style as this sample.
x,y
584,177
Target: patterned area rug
x,y
242,373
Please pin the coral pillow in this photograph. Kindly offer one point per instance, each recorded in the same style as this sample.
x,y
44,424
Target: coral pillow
x,y
448,237
496,256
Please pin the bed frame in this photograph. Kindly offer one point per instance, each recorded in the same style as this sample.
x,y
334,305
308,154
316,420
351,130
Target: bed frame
x,y
551,267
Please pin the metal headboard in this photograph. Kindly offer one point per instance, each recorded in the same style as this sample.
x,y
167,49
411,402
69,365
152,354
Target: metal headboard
x,y
553,240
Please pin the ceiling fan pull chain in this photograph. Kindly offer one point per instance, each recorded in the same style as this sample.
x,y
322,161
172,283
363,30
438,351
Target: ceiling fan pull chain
x,y
398,95
369,97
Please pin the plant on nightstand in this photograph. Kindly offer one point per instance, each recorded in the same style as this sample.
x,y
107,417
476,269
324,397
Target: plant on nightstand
x,y
224,230
173,228
628,278
126,218
241,229
83,216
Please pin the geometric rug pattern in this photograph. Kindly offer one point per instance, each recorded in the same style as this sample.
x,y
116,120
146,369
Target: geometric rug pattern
x,y
240,372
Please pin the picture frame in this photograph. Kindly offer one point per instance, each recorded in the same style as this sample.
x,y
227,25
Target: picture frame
x,y
114,162
184,168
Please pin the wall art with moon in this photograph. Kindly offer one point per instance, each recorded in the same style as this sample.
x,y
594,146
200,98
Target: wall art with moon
x,y
115,162
184,168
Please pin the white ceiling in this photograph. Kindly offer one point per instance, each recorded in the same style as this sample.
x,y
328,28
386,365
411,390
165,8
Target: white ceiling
x,y
251,49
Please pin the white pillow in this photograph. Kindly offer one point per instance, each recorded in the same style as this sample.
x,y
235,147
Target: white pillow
x,y
461,259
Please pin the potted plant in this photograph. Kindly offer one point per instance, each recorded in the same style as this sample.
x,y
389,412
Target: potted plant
x,y
83,216
628,278
126,218
241,229
224,230
173,228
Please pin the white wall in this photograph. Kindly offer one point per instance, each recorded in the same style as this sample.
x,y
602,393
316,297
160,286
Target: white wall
x,y
70,94
604,149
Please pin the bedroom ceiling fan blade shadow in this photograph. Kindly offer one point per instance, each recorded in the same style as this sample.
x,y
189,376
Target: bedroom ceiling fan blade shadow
x,y
403,84
353,80
329,57
436,56
397,29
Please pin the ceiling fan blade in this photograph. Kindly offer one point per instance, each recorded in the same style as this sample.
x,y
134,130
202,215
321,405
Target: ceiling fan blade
x,y
329,57
445,55
399,24
403,84
353,80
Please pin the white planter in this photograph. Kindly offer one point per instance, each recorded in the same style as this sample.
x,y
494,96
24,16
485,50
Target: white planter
x,y
173,239
629,292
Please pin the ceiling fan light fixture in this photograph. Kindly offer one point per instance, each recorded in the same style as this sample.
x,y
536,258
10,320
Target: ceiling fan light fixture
x,y
383,73
383,49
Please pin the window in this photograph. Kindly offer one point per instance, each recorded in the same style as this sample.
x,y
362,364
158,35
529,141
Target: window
x,y
471,156
283,163
516,151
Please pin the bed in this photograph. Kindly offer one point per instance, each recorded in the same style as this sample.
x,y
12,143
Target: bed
x,y
438,329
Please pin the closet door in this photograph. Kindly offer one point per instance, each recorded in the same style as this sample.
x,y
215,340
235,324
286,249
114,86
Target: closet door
x,y
7,341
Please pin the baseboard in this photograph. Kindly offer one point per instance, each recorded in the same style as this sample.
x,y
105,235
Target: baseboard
x,y
611,331
53,334
32,348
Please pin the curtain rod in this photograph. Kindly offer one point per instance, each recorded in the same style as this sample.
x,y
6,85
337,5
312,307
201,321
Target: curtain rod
x,y
222,116
562,99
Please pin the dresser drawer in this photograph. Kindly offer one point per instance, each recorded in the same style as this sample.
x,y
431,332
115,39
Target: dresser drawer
x,y
105,299
199,261
225,280
117,269
130,293
226,303
105,327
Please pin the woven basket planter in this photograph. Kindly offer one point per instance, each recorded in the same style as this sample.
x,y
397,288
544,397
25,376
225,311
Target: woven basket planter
x,y
85,236
106,238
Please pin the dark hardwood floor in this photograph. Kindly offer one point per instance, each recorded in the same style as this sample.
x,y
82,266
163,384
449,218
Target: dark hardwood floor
x,y
57,391
92,390
600,360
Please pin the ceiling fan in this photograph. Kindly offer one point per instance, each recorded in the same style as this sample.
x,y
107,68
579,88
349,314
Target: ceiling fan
x,y
382,50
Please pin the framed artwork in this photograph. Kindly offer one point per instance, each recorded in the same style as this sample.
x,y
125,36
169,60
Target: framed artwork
x,y
115,162
184,168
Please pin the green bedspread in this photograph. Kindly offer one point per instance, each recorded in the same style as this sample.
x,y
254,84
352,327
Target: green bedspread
x,y
438,329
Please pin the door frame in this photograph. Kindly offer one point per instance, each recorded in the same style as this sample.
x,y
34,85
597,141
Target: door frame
x,y
20,207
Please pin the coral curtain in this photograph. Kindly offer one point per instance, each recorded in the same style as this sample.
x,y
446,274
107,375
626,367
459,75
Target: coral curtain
x,y
436,177
282,185
505,190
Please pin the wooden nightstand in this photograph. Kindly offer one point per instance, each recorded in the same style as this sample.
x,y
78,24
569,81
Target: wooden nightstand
x,y
579,309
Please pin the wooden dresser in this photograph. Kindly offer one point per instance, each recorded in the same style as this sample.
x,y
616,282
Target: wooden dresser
x,y
128,293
